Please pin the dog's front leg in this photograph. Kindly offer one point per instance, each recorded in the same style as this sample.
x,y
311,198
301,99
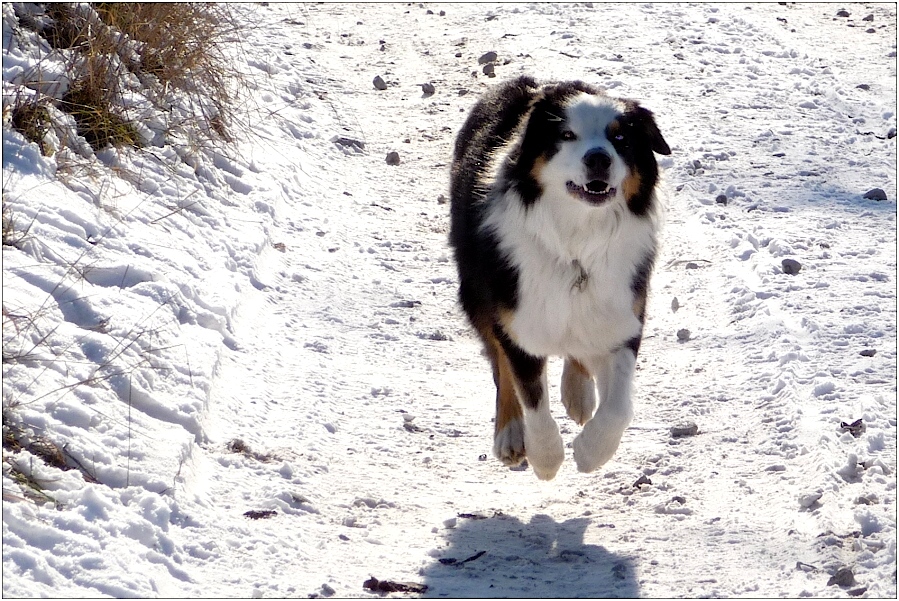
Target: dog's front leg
x,y
598,441
542,440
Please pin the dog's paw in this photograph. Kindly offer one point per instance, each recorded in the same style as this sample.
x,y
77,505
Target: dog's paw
x,y
596,444
508,444
546,451
547,461
579,397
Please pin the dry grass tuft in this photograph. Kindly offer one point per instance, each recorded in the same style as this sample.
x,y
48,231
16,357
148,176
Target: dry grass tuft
x,y
97,123
32,119
170,54
181,46
13,234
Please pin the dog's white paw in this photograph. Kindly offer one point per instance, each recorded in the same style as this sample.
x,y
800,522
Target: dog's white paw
x,y
578,395
546,451
508,444
597,443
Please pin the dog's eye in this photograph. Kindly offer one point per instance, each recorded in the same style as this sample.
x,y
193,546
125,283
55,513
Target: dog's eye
x,y
568,135
618,137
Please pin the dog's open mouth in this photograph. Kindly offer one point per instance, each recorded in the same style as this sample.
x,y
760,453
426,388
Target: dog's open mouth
x,y
595,191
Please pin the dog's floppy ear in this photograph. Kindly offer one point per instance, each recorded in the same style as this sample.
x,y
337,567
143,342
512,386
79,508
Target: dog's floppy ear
x,y
647,122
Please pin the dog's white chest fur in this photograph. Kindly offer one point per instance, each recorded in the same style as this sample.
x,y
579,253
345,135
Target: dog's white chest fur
x,y
575,267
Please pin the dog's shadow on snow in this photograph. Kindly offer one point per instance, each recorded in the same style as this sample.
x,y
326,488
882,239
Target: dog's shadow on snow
x,y
542,558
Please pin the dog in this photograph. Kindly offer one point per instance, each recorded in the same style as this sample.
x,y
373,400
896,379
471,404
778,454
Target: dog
x,y
554,225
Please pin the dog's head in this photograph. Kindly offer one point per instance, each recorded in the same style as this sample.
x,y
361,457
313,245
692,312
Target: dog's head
x,y
594,148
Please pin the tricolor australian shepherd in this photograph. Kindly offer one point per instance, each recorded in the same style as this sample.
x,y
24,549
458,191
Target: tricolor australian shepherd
x,y
554,226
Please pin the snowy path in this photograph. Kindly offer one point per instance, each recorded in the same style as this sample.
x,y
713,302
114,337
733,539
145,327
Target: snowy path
x,y
360,395
359,351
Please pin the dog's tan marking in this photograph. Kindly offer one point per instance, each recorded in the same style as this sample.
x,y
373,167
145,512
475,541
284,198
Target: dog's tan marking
x,y
506,319
537,169
631,184
612,129
579,366
639,306
578,391
507,406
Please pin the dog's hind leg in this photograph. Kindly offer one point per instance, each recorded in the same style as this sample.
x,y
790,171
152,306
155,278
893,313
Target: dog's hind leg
x,y
578,391
599,439
508,438
508,435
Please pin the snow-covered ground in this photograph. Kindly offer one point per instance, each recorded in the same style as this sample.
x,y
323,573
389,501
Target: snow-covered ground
x,y
271,326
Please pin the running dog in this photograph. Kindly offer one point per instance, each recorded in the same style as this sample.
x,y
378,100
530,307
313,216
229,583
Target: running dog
x,y
554,227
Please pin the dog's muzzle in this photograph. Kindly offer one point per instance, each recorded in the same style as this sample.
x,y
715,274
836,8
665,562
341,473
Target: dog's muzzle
x,y
597,189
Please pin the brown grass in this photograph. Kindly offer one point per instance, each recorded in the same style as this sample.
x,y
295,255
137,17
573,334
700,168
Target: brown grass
x,y
175,51
181,46
14,233
32,119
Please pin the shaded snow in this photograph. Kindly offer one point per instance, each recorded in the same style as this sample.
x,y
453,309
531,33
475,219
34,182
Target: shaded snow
x,y
296,293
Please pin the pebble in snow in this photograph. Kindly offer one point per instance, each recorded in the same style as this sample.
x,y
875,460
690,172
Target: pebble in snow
x,y
843,13
675,304
393,158
379,83
642,480
487,57
842,577
428,88
489,70
683,334
791,266
875,194
721,199
685,429
327,590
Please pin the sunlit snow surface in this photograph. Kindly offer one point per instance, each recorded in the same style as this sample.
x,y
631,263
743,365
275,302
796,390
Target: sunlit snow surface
x,y
295,292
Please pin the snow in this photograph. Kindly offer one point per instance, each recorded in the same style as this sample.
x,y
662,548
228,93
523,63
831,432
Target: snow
x,y
271,326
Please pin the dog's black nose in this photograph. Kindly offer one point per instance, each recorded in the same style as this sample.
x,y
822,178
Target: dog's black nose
x,y
597,160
